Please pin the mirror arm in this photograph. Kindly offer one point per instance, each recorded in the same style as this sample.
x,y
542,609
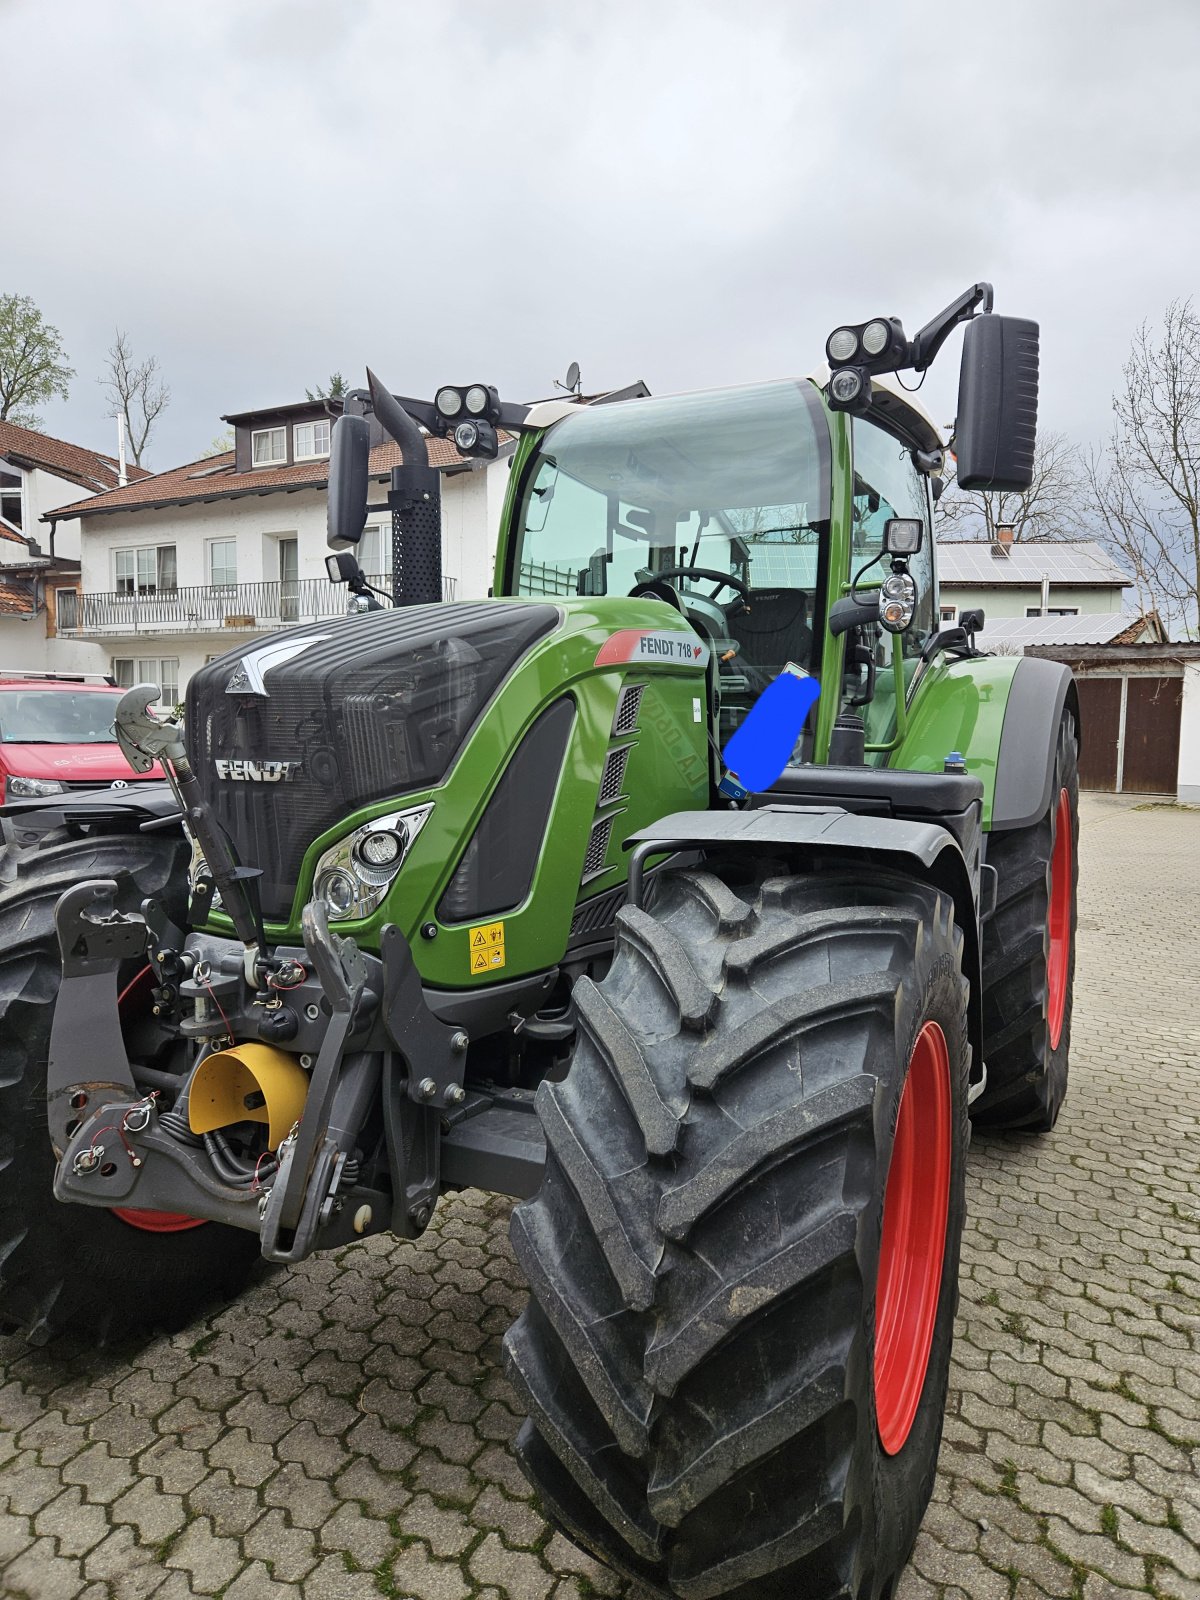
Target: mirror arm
x,y
934,334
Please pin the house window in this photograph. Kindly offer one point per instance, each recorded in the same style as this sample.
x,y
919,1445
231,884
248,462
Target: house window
x,y
269,446
66,608
311,439
222,563
949,613
162,670
149,570
1052,611
11,506
375,550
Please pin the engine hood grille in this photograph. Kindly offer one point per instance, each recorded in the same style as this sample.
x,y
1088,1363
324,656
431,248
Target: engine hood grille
x,y
366,708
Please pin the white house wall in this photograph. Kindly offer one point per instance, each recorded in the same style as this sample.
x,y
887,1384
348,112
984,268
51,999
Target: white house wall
x,y
1189,735
24,647
44,492
1012,600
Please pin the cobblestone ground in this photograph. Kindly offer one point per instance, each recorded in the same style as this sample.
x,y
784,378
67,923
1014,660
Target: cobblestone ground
x,y
342,1430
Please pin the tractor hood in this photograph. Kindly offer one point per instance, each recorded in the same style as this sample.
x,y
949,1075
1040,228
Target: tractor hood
x,y
295,732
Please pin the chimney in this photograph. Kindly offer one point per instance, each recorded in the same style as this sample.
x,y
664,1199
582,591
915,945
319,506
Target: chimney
x,y
122,476
1004,532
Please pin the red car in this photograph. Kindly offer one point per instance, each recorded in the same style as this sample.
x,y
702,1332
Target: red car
x,y
56,733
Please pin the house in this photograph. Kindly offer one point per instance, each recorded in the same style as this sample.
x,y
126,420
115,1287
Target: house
x,y
39,586
1139,694
1033,593
182,566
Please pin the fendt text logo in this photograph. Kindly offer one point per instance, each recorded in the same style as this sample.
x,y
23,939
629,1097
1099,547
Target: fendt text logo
x,y
257,771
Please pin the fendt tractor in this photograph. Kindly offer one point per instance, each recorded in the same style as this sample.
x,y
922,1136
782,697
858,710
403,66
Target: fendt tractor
x,y
441,896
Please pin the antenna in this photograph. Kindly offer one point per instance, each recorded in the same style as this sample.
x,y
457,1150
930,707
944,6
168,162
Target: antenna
x,y
574,384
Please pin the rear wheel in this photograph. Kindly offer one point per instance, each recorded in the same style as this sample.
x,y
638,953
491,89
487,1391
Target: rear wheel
x,y
63,1267
1029,957
744,1253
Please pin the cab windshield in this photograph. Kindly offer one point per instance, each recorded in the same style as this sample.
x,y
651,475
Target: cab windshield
x,y
732,480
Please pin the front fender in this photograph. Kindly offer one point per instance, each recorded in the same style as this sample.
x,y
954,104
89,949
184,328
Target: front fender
x,y
924,850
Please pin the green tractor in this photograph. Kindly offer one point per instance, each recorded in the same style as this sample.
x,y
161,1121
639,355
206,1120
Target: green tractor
x,y
450,895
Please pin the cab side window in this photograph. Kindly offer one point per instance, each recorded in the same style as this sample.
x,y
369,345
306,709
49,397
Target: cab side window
x,y
888,484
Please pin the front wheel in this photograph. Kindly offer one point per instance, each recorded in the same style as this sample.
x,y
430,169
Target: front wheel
x,y
744,1253
67,1267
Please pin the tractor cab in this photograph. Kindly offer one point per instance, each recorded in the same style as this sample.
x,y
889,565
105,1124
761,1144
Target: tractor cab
x,y
715,504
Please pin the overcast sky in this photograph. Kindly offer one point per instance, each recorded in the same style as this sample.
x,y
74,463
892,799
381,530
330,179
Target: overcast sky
x,y
692,193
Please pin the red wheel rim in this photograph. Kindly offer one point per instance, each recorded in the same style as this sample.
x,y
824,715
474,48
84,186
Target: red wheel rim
x,y
915,1206
1059,959
131,1002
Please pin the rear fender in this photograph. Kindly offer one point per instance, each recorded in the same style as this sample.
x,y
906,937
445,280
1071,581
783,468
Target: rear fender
x,y
921,850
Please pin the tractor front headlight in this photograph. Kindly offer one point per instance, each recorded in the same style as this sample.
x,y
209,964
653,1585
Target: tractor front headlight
x,y
898,601
354,874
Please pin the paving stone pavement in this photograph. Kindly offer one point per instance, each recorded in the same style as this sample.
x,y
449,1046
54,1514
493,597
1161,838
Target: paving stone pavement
x,y
341,1432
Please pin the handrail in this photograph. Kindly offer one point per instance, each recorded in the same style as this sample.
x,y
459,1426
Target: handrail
x,y
204,607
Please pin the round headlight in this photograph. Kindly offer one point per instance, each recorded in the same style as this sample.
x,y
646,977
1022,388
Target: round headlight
x,y
448,402
337,890
477,400
382,848
845,385
466,436
897,601
842,345
876,338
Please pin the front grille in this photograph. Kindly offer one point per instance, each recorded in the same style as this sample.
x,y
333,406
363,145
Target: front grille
x,y
368,708
614,774
628,702
593,861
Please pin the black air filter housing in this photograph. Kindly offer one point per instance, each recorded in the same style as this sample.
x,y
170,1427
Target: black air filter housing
x,y
366,708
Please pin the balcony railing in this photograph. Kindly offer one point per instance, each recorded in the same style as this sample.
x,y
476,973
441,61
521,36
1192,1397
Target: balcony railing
x,y
208,609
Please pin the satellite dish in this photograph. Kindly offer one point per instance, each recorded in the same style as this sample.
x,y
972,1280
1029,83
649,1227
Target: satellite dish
x,y
573,377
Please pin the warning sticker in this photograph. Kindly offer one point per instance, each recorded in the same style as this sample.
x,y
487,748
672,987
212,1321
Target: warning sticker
x,y
486,944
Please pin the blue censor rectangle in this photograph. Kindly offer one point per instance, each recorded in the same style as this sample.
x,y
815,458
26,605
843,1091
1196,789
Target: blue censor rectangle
x,y
760,749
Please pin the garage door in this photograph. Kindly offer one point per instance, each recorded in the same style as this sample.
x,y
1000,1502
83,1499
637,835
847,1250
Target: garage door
x,y
1152,715
1099,726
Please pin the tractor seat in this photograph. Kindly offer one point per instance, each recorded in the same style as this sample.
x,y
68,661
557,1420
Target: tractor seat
x,y
774,629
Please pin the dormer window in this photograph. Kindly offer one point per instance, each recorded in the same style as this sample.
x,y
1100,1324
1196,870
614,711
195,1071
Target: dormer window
x,y
310,440
11,509
270,447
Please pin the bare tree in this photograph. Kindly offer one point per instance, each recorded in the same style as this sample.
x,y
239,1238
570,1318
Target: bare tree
x,y
33,367
1146,487
1050,509
137,392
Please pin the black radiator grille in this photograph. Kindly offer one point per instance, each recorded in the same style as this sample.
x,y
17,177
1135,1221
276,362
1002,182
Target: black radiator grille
x,y
628,702
613,779
597,849
376,705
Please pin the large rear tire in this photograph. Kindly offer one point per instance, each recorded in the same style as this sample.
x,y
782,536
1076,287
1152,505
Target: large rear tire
x,y
743,1257
68,1267
1029,957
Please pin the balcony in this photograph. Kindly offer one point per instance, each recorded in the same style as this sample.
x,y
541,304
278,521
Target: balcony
x,y
236,608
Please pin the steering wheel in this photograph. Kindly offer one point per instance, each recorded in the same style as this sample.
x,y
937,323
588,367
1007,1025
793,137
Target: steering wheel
x,y
719,580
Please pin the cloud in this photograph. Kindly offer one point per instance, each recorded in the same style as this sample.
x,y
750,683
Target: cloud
x,y
690,193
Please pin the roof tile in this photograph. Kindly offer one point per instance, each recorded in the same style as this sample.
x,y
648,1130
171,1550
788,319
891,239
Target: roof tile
x,y
90,469
216,477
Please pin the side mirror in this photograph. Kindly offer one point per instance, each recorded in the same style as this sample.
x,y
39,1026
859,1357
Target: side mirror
x,y
349,475
996,428
971,621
